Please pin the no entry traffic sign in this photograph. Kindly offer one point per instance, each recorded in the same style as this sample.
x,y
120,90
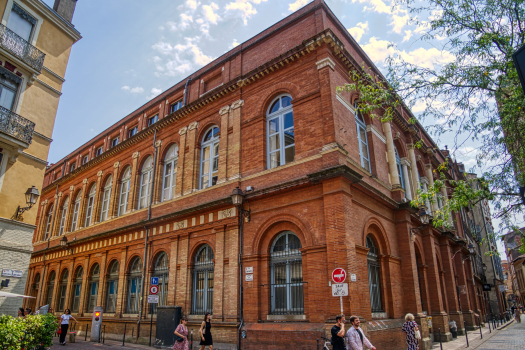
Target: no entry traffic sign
x,y
339,275
153,289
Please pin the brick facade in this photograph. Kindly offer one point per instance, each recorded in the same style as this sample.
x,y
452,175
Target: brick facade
x,y
324,197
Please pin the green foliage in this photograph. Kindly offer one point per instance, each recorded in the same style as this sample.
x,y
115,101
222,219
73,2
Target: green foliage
x,y
28,333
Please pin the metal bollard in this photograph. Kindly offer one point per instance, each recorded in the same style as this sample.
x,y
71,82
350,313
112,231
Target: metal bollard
x,y
480,333
317,343
191,346
124,336
440,344
104,335
466,333
489,327
87,330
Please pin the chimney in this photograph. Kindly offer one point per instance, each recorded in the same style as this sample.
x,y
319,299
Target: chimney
x,y
65,8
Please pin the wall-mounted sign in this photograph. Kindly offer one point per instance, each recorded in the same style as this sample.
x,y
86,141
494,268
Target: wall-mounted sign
x,y
487,287
17,273
353,277
12,273
248,269
249,278
339,289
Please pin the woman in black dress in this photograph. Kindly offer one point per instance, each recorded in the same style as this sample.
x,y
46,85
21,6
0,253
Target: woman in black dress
x,y
205,331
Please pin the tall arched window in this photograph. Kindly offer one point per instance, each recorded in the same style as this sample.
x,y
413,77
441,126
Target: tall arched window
x,y
36,286
170,173
63,216
399,169
161,271
286,275
124,191
62,290
77,289
374,280
105,198
362,138
134,287
210,158
90,203
49,219
145,183
112,287
76,211
50,288
93,287
203,281
280,131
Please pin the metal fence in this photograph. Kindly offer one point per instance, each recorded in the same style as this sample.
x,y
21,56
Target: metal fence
x,y
16,126
20,48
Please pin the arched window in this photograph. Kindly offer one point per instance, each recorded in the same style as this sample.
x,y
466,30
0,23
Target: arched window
x,y
362,138
280,131
77,289
124,192
63,217
63,290
286,275
170,173
112,287
90,203
374,280
93,287
50,288
203,281
76,210
145,183
105,199
49,219
399,169
210,158
162,272
134,287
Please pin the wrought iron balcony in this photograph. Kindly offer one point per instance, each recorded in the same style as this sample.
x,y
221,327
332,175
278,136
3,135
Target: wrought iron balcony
x,y
20,48
16,126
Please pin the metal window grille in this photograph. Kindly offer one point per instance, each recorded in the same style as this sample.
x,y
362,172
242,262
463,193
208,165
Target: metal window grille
x,y
93,287
287,297
203,282
162,272
77,290
112,288
50,288
374,279
134,286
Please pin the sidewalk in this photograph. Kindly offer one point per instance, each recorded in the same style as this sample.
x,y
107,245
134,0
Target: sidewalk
x,y
474,338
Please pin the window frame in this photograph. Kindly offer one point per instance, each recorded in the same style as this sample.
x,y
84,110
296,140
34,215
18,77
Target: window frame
x,y
93,285
162,273
62,292
106,197
72,167
280,116
77,287
124,190
76,212
49,218
85,159
145,186
152,120
99,151
131,133
203,268
63,216
172,177
399,169
134,277
90,205
112,281
374,273
50,288
175,106
115,141
214,141
360,123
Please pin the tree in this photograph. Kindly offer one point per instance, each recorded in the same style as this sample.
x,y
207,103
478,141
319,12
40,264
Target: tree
x,y
476,96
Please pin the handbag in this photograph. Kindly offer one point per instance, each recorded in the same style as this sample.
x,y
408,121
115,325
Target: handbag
x,y
59,331
417,334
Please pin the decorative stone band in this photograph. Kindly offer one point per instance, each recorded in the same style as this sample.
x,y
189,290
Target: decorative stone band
x,y
325,62
376,132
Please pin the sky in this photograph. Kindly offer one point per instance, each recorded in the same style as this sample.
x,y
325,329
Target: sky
x,y
130,52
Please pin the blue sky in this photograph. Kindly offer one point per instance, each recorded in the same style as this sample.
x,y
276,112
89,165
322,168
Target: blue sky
x,y
130,52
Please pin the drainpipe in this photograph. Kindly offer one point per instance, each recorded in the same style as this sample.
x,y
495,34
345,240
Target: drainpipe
x,y
186,91
48,238
144,261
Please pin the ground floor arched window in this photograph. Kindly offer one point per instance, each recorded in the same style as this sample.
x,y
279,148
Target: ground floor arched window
x,y
50,288
286,269
203,281
161,271
134,286
112,287
374,279
63,291
77,289
93,287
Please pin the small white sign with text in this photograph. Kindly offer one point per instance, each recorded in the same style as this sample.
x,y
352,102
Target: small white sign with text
x,y
339,289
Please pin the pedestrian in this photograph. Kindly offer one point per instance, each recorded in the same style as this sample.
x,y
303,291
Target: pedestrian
x,y
338,333
64,325
27,312
517,315
410,328
21,312
355,338
205,331
182,332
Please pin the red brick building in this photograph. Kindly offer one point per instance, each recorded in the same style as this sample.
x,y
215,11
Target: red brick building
x,y
329,190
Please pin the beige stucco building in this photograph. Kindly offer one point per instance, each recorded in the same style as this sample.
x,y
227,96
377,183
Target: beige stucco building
x,y
35,43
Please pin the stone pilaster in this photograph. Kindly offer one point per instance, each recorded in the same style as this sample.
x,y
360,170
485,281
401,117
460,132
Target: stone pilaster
x,y
406,177
192,168
133,184
113,199
179,189
82,209
430,176
97,202
413,169
391,154
424,184
224,112
234,149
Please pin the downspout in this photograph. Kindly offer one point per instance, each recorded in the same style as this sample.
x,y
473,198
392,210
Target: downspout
x,y
144,261
241,250
186,91
50,234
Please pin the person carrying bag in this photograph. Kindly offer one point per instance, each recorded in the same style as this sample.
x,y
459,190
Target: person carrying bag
x,y
181,340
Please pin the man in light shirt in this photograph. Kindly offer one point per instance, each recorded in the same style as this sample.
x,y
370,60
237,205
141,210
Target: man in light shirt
x,y
355,338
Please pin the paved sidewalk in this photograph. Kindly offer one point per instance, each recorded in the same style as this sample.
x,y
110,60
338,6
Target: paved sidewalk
x,y
510,338
80,344
474,339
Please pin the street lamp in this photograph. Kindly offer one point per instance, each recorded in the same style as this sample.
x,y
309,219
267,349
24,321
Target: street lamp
x,y
65,244
31,195
424,217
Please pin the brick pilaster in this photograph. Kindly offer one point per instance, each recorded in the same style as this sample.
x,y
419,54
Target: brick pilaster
x,y
101,297
218,274
172,272
134,184
192,168
83,202
234,149
179,189
97,202
224,112
85,288
113,200
454,311
183,285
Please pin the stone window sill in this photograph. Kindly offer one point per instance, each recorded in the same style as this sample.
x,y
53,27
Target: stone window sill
x,y
286,317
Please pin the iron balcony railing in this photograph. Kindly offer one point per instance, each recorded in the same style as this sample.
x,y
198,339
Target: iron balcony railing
x,y
19,47
16,126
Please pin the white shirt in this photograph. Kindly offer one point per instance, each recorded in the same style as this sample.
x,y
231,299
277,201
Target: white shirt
x,y
65,319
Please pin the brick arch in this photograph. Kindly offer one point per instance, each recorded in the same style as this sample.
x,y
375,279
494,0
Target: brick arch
x,y
401,148
64,197
202,129
122,170
59,277
88,188
105,178
92,266
354,96
75,193
196,246
142,160
374,228
75,269
108,265
276,90
130,259
418,245
165,149
155,256
282,220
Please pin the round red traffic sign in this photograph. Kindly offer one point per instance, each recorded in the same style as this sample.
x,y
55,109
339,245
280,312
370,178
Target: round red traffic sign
x,y
153,289
339,275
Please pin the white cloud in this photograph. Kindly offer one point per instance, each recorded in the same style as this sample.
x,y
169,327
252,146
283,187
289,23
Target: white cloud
x,y
161,28
154,92
375,5
185,20
244,6
408,35
192,4
398,21
135,90
297,5
180,58
358,31
399,16
234,44
210,15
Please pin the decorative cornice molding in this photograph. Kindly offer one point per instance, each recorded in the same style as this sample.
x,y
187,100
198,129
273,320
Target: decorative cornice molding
x,y
53,74
56,19
135,155
325,62
376,132
224,110
193,126
116,165
237,104
345,103
49,87
100,172
183,130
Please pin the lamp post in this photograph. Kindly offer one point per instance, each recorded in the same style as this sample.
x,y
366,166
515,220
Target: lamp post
x,y
424,217
237,197
31,195
65,244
